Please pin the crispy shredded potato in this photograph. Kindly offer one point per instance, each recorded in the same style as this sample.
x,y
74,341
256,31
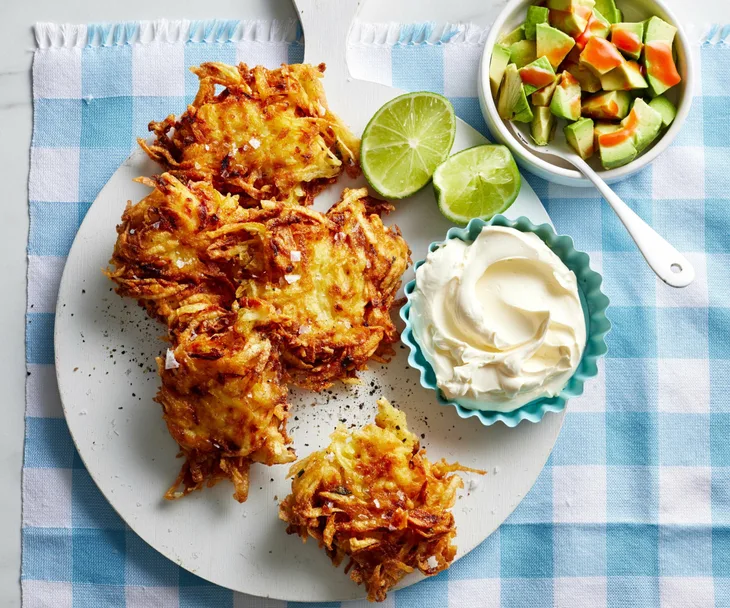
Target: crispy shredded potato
x,y
253,298
372,496
267,136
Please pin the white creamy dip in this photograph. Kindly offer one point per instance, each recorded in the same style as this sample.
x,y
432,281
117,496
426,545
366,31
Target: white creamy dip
x,y
499,320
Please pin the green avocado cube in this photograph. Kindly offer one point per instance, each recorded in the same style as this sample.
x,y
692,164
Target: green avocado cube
x,y
544,96
553,44
566,98
542,128
515,35
589,82
513,104
497,66
523,52
625,77
628,38
661,70
573,24
616,149
535,15
666,109
602,127
610,105
597,26
600,56
608,9
644,122
569,5
580,136
537,75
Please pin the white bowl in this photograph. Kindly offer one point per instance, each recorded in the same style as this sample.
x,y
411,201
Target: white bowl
x,y
560,172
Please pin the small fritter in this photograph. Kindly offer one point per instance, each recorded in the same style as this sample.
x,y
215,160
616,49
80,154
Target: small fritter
x,y
253,298
267,136
372,496
329,281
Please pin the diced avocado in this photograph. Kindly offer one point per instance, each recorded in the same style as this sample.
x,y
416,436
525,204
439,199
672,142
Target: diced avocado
x,y
603,127
566,98
569,5
512,104
515,35
600,56
589,82
616,149
661,104
661,71
497,66
580,135
608,9
573,24
537,75
611,105
628,38
597,26
625,77
543,97
522,53
553,44
542,128
644,122
535,15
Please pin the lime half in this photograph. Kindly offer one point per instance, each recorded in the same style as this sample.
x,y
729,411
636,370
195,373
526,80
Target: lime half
x,y
405,141
477,182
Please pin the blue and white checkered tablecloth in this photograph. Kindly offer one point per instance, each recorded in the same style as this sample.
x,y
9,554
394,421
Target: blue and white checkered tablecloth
x,y
633,507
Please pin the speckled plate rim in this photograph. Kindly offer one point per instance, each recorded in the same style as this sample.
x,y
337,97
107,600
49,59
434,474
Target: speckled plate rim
x,y
593,300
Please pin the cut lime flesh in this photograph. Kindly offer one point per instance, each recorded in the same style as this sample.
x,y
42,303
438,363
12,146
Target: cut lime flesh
x,y
405,141
477,183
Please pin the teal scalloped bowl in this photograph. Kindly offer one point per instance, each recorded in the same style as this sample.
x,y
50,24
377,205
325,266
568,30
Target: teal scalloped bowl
x,y
594,303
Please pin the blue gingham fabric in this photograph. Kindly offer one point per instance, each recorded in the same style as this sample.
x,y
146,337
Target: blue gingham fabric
x,y
633,507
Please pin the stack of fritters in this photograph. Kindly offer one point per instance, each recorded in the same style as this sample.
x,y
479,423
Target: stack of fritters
x,y
254,298
372,496
267,136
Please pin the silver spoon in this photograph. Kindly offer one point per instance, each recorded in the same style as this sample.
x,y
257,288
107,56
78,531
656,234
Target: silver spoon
x,y
668,264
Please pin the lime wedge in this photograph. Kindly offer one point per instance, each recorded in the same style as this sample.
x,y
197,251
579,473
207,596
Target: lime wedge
x,y
405,141
477,182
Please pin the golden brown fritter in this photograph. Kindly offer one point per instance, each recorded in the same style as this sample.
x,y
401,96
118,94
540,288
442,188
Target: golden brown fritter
x,y
253,298
372,496
267,136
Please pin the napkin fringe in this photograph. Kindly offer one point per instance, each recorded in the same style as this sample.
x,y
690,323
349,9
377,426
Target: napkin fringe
x,y
429,33
52,35
716,34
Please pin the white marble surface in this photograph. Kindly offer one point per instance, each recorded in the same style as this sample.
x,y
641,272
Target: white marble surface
x,y
16,48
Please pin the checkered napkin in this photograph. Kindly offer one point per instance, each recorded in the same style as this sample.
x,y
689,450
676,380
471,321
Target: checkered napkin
x,y
633,507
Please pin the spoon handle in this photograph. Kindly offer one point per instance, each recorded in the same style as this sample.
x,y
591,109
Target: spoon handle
x,y
668,264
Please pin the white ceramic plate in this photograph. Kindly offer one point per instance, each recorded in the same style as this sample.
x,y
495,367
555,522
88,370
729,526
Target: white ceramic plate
x,y
105,350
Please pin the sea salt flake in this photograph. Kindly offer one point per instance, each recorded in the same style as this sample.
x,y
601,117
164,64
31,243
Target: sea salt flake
x,y
291,278
156,225
295,256
304,329
473,484
179,263
376,502
432,562
132,231
329,456
170,361
255,143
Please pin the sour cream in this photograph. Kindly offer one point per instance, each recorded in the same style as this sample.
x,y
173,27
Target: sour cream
x,y
499,320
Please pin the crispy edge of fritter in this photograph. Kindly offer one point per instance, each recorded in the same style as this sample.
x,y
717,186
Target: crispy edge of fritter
x,y
359,505
253,85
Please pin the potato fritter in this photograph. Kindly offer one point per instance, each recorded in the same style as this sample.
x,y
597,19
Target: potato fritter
x,y
372,496
253,298
267,136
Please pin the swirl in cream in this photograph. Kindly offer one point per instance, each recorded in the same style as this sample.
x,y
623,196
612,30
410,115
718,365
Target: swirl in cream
x,y
499,320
